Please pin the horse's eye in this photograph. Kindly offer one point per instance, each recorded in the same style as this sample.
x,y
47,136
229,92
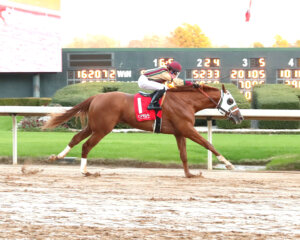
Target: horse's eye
x,y
229,101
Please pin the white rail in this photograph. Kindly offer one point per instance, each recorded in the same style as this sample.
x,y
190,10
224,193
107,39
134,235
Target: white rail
x,y
254,114
248,114
209,114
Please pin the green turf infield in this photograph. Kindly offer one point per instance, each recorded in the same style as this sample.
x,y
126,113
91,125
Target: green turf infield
x,y
238,148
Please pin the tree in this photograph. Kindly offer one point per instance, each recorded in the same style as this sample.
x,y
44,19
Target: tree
x,y
189,36
280,42
76,43
149,42
135,44
93,41
258,45
297,44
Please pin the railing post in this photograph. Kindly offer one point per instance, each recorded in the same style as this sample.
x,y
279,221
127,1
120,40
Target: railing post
x,y
36,85
209,138
15,140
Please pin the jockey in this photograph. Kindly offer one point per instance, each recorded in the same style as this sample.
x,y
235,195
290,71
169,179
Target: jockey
x,y
156,79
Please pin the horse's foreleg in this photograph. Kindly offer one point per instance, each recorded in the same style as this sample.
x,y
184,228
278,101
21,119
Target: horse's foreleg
x,y
75,140
196,137
181,143
226,162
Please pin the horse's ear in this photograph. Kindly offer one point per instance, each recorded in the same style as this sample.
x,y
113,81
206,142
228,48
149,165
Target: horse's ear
x,y
223,88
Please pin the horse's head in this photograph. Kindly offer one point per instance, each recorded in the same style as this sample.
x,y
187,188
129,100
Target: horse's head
x,y
228,106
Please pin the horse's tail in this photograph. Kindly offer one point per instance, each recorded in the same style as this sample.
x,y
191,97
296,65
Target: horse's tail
x,y
80,110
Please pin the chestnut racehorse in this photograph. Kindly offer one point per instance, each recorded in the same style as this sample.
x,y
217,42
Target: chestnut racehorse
x,y
105,110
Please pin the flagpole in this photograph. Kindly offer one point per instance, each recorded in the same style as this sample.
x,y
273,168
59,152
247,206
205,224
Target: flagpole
x,y
248,27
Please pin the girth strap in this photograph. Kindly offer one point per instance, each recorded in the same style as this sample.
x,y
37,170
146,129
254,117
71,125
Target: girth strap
x,y
157,123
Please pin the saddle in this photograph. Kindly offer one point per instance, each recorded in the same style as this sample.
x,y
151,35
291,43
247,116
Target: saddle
x,y
146,94
141,102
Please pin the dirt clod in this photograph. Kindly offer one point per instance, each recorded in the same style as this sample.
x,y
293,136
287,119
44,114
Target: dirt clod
x,y
27,171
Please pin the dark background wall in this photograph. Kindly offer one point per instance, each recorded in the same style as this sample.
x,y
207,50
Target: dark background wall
x,y
128,64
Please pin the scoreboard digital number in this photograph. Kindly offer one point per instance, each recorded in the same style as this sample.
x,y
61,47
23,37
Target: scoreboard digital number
x,y
252,73
97,74
162,62
207,71
159,62
244,68
92,75
290,76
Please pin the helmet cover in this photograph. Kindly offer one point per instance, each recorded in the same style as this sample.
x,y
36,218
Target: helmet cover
x,y
174,66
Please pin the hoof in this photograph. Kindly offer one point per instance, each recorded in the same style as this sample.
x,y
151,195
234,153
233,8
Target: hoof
x,y
52,158
229,167
88,174
189,175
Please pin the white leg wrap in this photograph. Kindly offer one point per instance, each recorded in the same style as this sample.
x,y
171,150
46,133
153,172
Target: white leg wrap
x,y
64,152
226,162
83,165
220,158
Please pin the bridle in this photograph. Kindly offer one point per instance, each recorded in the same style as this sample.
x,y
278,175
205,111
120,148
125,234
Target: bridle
x,y
228,113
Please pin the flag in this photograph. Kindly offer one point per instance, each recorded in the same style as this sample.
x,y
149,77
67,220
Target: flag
x,y
248,12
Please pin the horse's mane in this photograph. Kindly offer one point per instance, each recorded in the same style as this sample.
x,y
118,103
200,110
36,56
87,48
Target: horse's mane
x,y
192,88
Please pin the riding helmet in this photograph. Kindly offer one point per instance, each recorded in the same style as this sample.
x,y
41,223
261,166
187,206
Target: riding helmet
x,y
174,66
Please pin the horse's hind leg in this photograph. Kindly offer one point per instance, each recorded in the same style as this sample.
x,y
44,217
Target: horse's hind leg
x,y
75,140
181,143
86,148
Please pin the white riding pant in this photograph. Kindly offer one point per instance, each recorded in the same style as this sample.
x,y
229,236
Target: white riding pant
x,y
144,83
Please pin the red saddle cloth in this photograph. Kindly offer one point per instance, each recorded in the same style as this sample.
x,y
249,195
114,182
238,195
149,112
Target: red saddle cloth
x,y
140,106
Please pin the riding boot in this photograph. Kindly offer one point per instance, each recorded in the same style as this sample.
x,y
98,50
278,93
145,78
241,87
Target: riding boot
x,y
154,104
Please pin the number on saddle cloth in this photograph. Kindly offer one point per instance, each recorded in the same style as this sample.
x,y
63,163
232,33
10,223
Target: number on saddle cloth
x,y
141,102
156,98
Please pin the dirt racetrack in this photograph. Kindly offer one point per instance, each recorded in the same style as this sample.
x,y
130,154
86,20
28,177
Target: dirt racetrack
x,y
136,203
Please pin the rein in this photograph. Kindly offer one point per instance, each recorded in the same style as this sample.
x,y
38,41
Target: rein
x,y
218,105
209,97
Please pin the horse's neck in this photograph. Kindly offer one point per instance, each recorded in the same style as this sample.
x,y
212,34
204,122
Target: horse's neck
x,y
203,101
194,99
210,95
